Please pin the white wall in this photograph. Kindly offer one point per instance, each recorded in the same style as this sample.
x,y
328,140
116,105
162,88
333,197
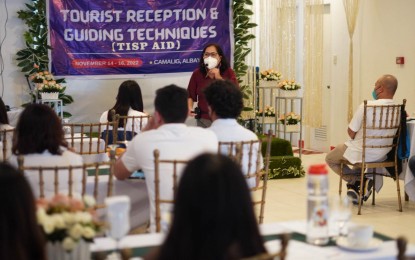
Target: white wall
x,y
384,30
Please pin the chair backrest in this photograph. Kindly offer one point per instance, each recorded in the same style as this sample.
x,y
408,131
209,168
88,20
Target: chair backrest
x,y
248,154
6,138
47,181
132,126
91,138
171,171
381,127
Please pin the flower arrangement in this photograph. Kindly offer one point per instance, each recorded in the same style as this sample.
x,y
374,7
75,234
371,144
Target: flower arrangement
x,y
268,111
270,75
289,119
67,220
289,85
45,82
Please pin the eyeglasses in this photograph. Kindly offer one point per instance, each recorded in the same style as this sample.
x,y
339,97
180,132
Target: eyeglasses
x,y
211,54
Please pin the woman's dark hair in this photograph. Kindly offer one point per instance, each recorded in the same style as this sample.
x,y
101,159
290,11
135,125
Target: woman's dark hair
x,y
20,235
129,96
224,65
39,128
213,213
4,120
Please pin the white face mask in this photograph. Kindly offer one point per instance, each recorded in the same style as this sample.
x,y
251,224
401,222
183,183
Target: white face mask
x,y
210,62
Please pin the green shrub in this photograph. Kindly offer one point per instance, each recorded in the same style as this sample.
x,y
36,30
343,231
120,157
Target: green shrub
x,y
281,167
279,147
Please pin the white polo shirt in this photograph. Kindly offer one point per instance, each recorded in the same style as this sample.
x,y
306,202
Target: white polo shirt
x,y
229,130
175,142
354,149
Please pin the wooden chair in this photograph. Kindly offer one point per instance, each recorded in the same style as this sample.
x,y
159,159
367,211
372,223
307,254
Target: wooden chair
x,y
248,154
6,138
85,139
376,120
175,168
51,177
132,126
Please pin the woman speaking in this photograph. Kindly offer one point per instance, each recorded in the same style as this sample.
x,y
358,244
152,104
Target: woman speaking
x,y
212,66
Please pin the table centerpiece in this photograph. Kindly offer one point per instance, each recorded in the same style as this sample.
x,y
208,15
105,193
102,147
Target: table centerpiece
x,y
69,226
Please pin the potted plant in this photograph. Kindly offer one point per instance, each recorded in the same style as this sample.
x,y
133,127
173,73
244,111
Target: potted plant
x,y
45,85
289,88
290,121
268,114
269,78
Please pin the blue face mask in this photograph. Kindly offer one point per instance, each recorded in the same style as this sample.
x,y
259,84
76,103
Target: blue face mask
x,y
375,97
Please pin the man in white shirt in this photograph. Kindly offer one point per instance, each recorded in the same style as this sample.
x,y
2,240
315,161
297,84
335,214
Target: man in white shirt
x,y
166,132
385,88
225,103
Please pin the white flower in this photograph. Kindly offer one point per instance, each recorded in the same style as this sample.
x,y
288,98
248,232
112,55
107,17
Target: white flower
x,y
88,232
89,201
68,244
58,220
83,217
41,215
76,231
48,225
69,218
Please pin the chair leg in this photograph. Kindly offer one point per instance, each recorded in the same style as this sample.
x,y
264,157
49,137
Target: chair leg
x,y
362,174
341,179
398,189
406,196
373,189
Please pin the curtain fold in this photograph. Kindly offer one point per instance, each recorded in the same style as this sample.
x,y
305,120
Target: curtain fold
x,y
313,62
351,8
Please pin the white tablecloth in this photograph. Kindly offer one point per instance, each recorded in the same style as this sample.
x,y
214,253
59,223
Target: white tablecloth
x,y
296,249
135,189
14,115
407,174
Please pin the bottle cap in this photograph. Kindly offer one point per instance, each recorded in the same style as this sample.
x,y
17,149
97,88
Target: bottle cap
x,y
317,169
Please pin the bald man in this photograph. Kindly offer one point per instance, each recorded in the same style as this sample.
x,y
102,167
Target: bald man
x,y
351,150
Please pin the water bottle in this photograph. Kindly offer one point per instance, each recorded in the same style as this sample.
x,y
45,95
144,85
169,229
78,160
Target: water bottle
x,y
317,205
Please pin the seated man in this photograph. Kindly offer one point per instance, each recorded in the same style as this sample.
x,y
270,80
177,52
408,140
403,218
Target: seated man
x,y
166,132
225,105
351,150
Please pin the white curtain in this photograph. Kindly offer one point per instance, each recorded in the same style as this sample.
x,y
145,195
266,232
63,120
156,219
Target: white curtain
x,y
313,62
351,8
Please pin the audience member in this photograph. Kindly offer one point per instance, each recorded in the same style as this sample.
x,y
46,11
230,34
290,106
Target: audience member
x,y
411,164
129,102
40,139
21,237
166,132
212,66
5,125
213,214
351,150
225,104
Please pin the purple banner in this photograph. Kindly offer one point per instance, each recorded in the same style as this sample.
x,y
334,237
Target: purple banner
x,y
108,37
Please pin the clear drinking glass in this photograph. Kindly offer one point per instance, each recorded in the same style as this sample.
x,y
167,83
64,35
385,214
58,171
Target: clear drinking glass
x,y
341,212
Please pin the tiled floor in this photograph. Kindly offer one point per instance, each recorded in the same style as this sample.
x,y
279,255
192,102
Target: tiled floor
x,y
286,200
